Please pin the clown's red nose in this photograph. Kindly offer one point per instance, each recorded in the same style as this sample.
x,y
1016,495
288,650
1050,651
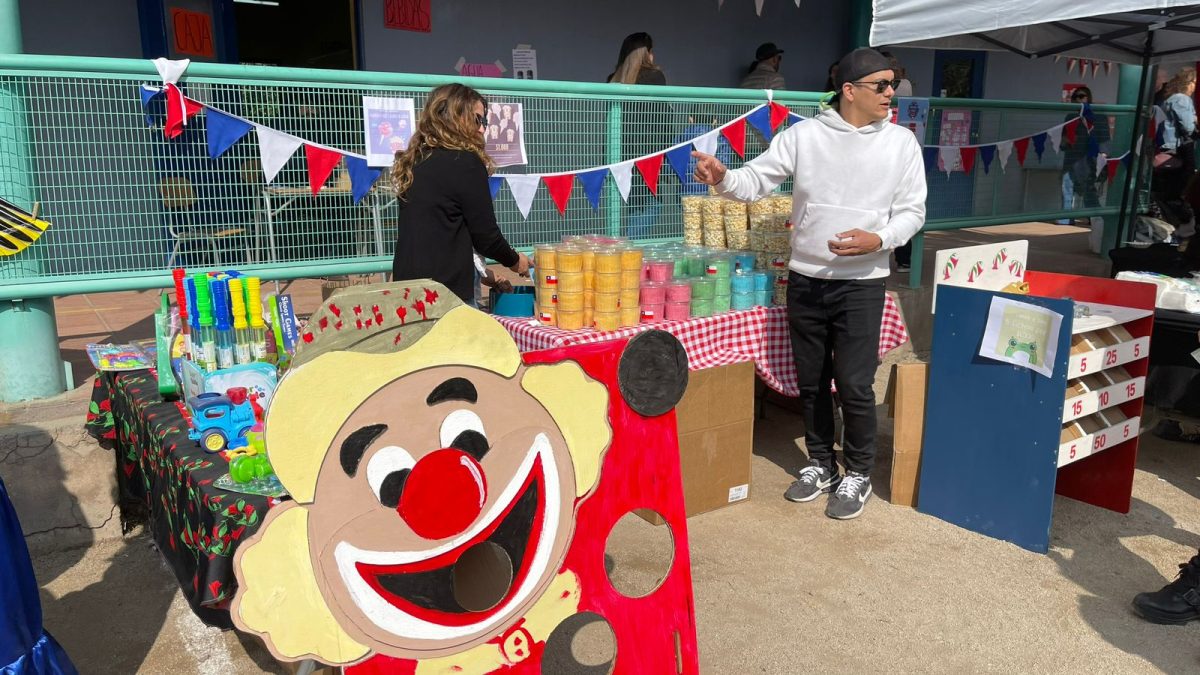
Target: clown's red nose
x,y
444,494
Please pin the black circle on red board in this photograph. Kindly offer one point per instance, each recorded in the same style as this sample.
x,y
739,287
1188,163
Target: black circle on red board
x,y
653,373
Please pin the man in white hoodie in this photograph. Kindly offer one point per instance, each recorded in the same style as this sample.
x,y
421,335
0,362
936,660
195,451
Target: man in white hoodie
x,y
859,192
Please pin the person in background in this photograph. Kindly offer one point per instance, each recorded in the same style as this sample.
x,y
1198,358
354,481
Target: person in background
x,y
635,62
1179,133
1079,179
833,73
858,192
445,205
764,72
905,89
1176,603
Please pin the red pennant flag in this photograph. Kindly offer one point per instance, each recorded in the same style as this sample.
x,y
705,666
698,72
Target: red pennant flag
x,y
560,190
1069,131
649,167
1113,165
320,164
179,109
779,113
968,158
735,132
1022,147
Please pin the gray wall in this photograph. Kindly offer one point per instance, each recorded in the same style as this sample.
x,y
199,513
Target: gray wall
x,y
79,28
693,42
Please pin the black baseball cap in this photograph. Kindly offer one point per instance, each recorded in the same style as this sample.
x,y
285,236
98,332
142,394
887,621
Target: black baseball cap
x,y
859,63
766,50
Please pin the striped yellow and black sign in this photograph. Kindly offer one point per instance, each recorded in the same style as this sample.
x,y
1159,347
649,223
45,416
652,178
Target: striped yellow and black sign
x,y
18,228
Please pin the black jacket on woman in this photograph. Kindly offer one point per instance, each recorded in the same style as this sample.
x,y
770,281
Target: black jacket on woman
x,y
444,216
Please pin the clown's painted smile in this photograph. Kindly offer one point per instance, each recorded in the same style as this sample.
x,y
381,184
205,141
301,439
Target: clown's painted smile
x,y
410,593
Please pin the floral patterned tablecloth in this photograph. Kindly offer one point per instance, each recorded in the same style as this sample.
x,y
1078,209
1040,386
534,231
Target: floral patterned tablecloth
x,y
166,480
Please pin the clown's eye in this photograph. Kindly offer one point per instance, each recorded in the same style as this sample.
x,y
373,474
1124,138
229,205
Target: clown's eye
x,y
386,472
464,428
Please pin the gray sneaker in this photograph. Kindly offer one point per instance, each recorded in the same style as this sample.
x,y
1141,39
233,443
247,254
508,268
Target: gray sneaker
x,y
850,498
814,481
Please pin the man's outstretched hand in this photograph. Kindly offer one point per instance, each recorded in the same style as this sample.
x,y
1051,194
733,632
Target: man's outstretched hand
x,y
709,169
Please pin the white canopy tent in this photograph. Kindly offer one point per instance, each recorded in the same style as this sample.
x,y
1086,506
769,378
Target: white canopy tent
x,y
1141,32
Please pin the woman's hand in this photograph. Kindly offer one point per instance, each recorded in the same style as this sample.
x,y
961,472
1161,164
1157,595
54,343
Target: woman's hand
x,y
522,266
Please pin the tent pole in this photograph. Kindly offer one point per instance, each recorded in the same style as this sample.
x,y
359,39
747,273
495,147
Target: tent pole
x,y
1133,177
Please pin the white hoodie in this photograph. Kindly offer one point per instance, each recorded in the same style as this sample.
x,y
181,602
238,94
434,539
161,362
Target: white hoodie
x,y
871,178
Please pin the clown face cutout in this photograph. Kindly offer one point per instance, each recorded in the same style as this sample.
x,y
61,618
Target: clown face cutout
x,y
447,501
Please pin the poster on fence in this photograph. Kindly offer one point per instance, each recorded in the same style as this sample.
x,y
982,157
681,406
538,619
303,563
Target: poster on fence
x,y
388,123
913,114
505,142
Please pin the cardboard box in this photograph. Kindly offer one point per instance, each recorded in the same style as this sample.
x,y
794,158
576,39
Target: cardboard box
x,y
906,403
716,438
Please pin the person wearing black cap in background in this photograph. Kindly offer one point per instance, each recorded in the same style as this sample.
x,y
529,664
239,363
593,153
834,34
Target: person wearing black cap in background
x,y
858,192
764,72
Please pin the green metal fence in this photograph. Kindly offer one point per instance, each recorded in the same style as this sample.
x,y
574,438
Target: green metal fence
x,y
74,136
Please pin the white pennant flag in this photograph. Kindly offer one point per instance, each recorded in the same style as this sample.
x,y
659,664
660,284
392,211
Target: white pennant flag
x,y
1003,150
758,6
623,176
523,187
797,3
1055,135
708,142
171,71
951,158
275,148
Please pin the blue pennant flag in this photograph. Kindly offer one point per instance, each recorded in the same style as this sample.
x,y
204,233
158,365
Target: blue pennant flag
x,y
679,158
1093,147
761,119
362,177
494,183
148,94
1087,113
592,182
1127,160
930,155
1039,144
223,131
987,153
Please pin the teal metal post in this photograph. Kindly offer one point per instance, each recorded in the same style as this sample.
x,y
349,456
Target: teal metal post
x,y
614,156
860,24
1125,185
30,365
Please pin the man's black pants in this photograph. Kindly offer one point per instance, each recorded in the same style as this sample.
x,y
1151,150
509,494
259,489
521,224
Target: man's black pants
x,y
835,334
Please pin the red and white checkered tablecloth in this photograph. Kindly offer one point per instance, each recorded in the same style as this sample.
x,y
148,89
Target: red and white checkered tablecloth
x,y
759,334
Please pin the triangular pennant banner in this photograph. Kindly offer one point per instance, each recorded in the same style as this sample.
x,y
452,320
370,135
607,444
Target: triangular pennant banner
x,y
708,142
735,133
1127,160
930,155
180,109
623,176
1071,65
760,119
523,189
779,113
1039,144
494,183
949,157
320,164
362,177
987,153
758,7
1093,146
1068,131
593,183
678,159
1022,146
148,94
1089,117
1004,151
560,190
275,148
968,159
650,167
223,131
1112,169
1055,136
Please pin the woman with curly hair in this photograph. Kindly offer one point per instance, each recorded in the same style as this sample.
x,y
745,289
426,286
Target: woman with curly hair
x,y
445,204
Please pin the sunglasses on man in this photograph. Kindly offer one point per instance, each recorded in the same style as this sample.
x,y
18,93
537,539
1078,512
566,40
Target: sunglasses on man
x,y
881,86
